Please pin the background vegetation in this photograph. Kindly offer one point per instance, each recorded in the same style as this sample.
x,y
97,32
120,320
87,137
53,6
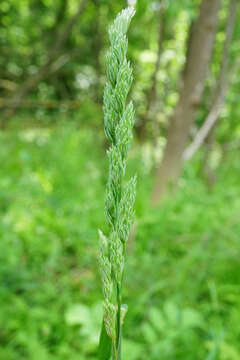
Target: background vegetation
x,y
182,283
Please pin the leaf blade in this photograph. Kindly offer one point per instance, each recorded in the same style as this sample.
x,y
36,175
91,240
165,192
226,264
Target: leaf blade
x,y
105,345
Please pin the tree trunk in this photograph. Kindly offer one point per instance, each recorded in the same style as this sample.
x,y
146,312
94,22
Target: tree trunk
x,y
199,54
221,87
97,47
43,71
152,91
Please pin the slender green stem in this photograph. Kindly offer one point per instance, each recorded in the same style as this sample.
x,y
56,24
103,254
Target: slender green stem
x,y
119,303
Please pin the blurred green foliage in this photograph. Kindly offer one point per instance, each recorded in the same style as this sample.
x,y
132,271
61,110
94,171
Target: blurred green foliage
x,y
182,283
30,29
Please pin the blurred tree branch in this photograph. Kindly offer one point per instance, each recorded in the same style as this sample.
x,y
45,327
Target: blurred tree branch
x,y
43,71
49,104
198,57
221,87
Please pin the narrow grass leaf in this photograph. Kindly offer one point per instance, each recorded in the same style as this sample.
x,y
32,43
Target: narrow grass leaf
x,y
105,345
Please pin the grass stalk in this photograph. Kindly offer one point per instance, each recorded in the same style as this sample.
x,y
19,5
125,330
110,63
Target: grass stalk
x,y
120,195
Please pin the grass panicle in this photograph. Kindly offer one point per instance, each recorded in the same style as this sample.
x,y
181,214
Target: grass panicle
x,y
120,195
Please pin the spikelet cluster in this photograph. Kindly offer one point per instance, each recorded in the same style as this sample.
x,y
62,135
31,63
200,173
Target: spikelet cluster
x,y
119,200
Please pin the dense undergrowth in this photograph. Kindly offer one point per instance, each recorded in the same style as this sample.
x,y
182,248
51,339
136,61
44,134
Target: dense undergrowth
x,y
183,265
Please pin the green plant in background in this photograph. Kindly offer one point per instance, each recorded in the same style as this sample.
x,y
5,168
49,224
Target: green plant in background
x,y
118,124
